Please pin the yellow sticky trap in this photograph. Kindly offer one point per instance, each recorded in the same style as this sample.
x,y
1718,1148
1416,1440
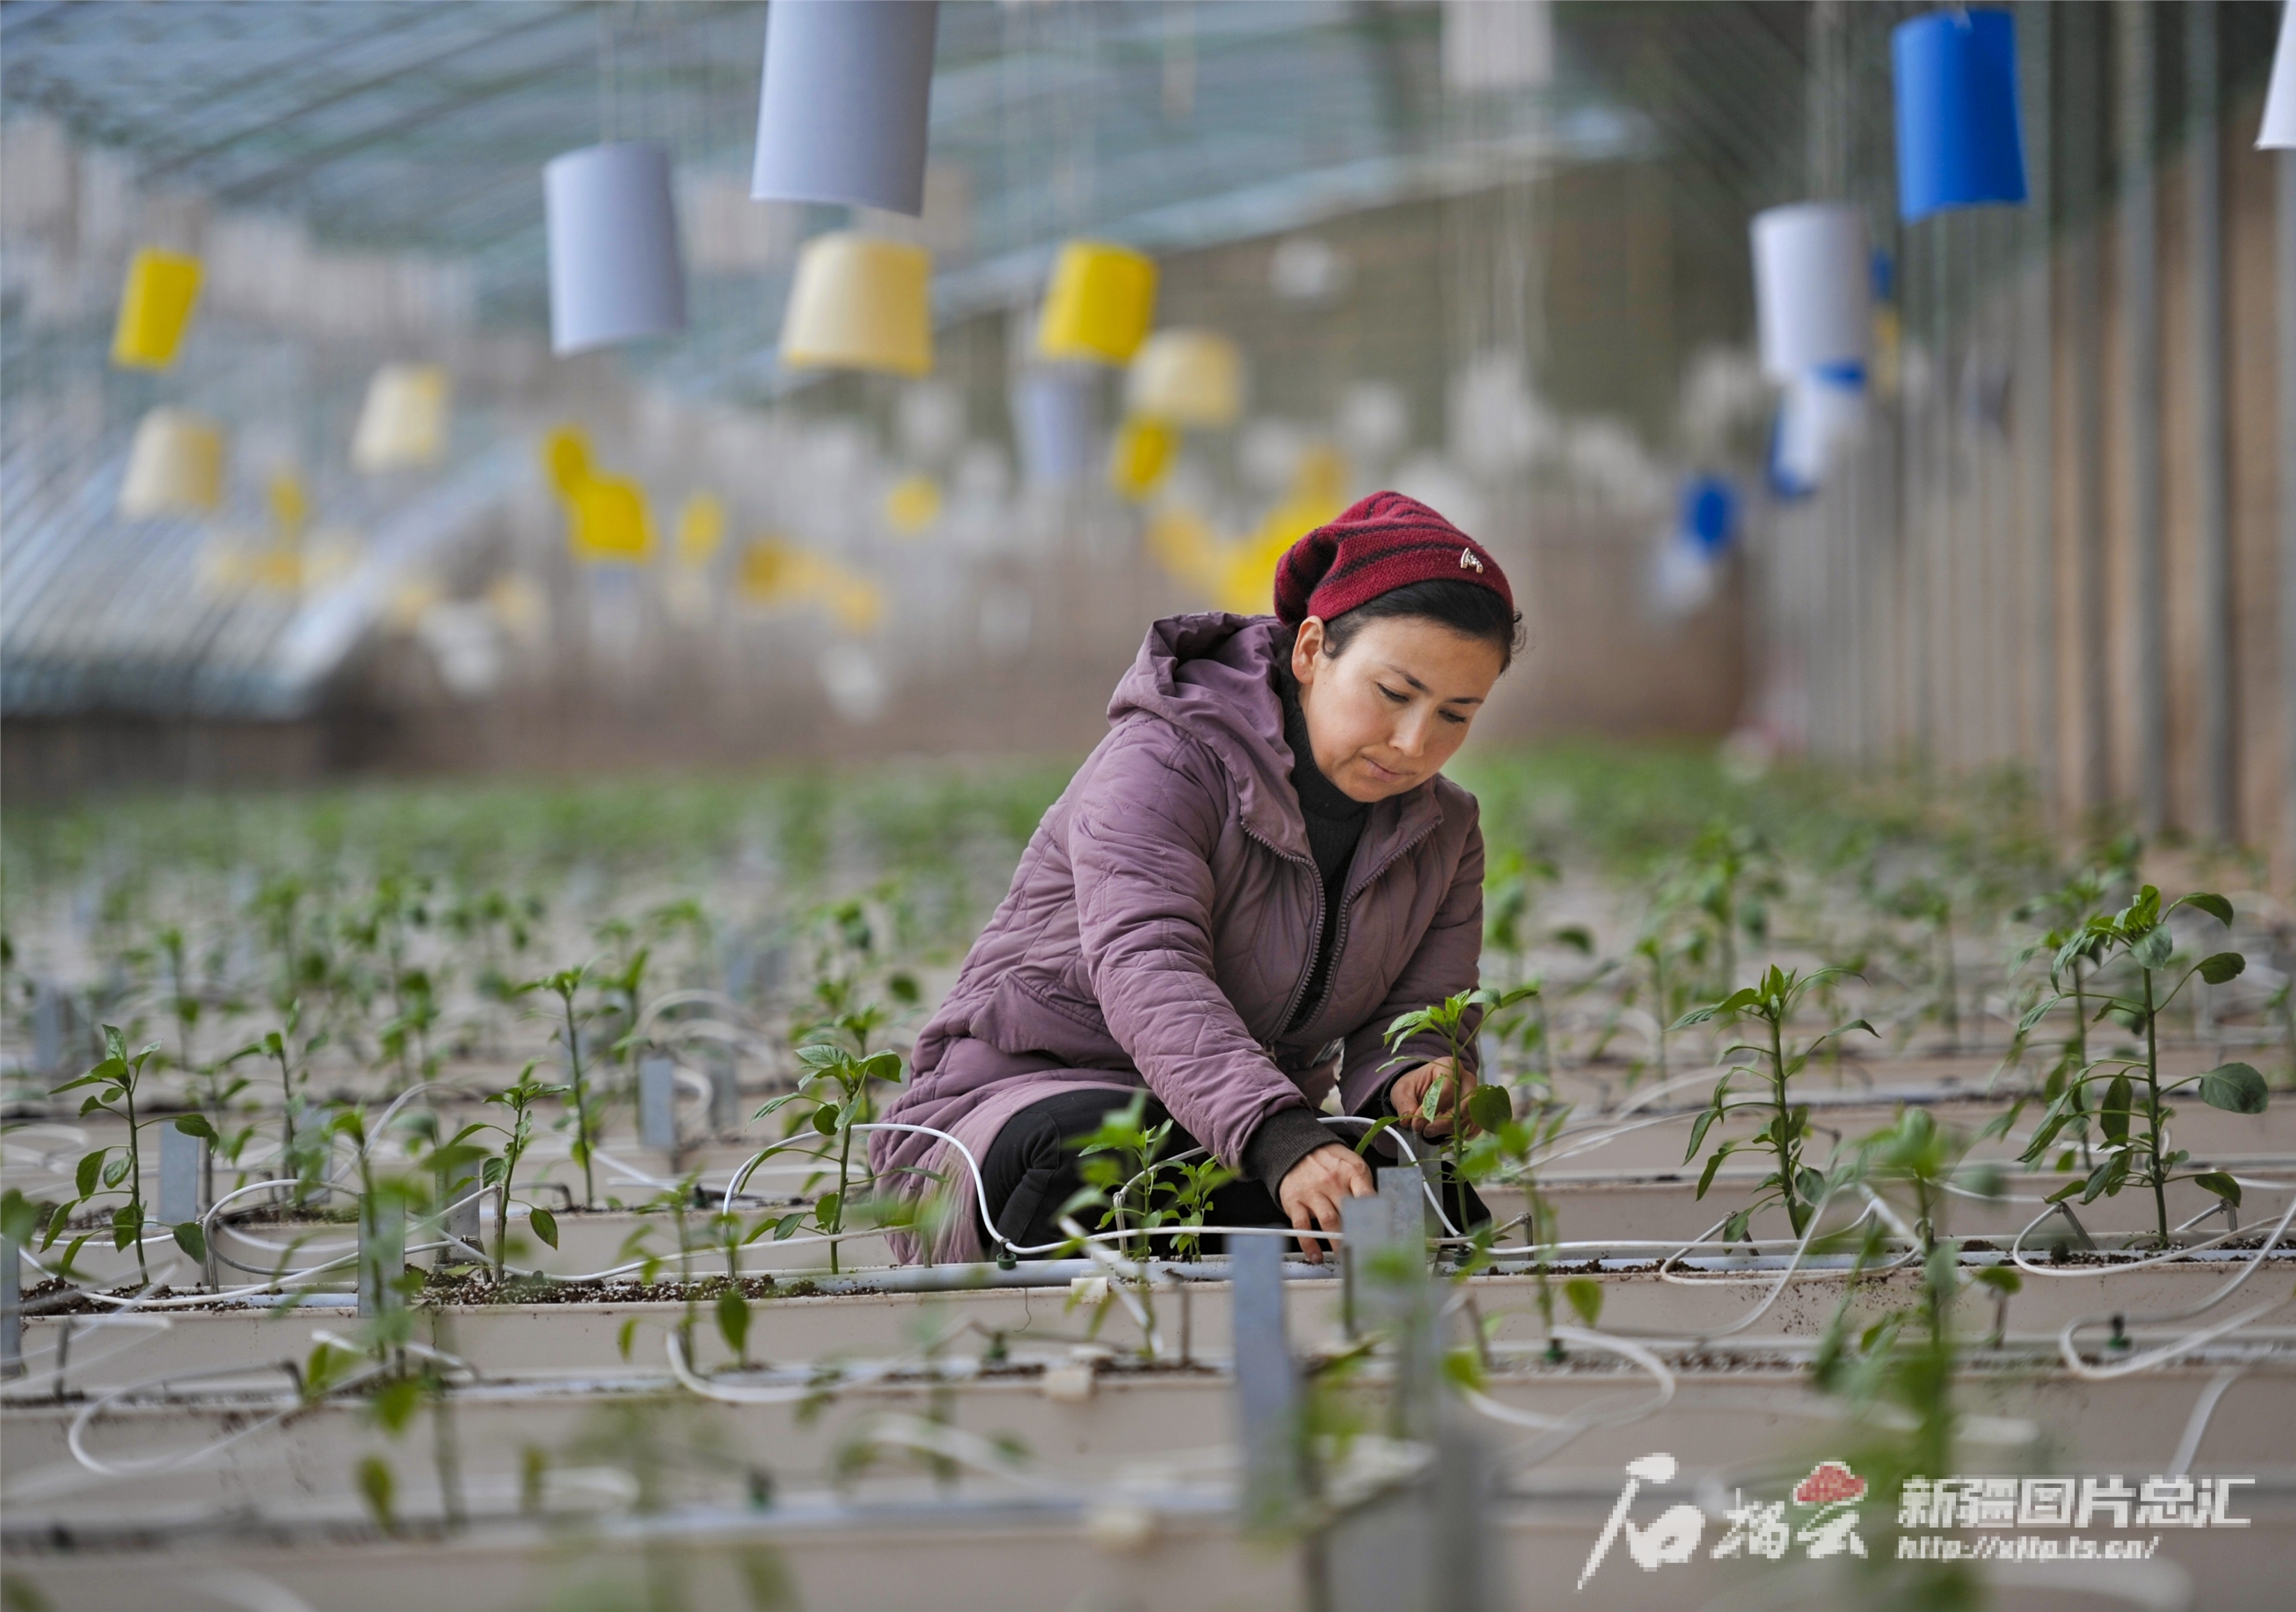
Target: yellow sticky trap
x,y
608,523
402,424
1888,338
155,308
1143,453
566,457
1240,574
290,508
860,302
700,530
773,573
175,466
1185,544
277,570
856,602
1099,305
913,504
415,595
1186,378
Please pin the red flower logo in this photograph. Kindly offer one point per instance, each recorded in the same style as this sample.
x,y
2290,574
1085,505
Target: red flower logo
x,y
1828,1481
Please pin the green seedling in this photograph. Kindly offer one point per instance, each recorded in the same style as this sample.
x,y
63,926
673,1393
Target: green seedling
x,y
1906,1360
1454,1021
405,1037
1929,902
2067,910
566,985
303,1151
836,1082
1793,1182
501,1171
119,1169
1671,960
1503,1149
381,929
1730,876
380,1194
1126,1176
2132,1114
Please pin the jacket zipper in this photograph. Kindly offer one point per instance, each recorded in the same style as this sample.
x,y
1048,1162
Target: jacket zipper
x,y
1347,907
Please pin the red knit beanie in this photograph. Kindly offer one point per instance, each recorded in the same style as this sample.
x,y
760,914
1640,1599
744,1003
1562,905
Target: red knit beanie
x,y
1378,545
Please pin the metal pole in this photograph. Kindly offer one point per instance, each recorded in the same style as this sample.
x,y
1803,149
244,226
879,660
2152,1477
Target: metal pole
x,y
2286,322
2205,236
1266,1383
2036,402
2085,166
2140,329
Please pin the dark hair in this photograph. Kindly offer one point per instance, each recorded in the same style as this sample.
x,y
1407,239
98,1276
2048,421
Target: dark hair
x,y
1467,610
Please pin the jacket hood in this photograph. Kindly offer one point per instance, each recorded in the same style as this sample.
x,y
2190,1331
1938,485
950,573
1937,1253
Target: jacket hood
x,y
1213,676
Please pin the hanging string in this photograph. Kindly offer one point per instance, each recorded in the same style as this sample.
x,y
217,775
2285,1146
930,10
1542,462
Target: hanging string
x,y
605,72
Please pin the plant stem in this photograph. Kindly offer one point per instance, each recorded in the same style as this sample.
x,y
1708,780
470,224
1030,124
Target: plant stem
x,y
581,1101
512,1148
134,1178
1785,1128
2080,1018
844,1158
2152,1111
1658,985
1952,986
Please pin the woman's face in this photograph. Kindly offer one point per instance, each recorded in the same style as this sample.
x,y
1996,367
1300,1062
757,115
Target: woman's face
x,y
1386,715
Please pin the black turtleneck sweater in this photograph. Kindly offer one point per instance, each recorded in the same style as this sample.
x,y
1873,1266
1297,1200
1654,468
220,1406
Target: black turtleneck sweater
x,y
1335,823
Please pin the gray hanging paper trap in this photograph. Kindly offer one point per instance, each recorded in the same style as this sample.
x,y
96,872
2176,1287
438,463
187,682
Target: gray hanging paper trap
x,y
615,273
842,117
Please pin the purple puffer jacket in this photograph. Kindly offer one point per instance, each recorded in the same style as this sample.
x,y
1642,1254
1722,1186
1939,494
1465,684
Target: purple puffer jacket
x,y
1162,926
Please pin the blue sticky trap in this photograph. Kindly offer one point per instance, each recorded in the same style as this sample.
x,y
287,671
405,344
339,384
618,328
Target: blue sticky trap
x,y
1960,134
1710,514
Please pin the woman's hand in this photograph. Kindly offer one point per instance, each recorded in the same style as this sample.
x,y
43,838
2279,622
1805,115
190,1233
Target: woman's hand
x,y
1311,1191
1408,1096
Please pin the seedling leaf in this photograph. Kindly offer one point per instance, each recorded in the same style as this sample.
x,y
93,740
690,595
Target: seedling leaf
x,y
2223,966
1585,1296
546,1225
2215,907
377,1488
2222,1184
2235,1087
1488,1108
734,1322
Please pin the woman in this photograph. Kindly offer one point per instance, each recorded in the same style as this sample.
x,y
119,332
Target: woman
x,y
1257,870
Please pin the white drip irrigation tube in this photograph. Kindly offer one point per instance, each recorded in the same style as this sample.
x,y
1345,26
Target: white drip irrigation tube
x,y
73,1327
1559,1431
2166,1256
2069,1350
74,1439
